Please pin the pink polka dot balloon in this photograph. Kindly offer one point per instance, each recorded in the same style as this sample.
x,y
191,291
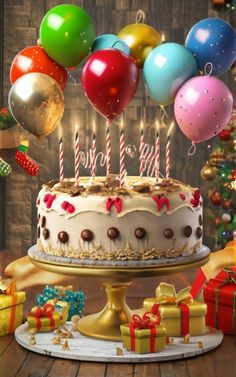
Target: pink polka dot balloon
x,y
203,107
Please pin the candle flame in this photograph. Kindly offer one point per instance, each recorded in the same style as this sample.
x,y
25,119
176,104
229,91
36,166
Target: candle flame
x,y
158,126
170,129
94,127
163,37
141,125
122,124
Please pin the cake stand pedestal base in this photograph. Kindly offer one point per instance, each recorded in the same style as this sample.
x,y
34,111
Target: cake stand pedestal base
x,y
89,349
114,313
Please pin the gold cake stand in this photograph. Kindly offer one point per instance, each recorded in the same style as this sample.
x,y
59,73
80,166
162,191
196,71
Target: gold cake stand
x,y
106,323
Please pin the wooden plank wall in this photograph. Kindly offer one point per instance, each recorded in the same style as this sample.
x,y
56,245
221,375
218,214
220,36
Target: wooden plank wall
x,y
21,26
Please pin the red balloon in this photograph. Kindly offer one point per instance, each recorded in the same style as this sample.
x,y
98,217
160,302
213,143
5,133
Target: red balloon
x,y
35,59
110,79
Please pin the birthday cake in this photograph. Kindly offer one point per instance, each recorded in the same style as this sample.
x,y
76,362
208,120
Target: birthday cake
x,y
99,222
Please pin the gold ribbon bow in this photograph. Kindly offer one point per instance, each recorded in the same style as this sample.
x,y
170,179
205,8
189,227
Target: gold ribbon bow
x,y
166,294
7,287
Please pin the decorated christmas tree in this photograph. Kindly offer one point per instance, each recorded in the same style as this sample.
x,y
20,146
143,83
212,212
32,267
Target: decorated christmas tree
x,y
220,169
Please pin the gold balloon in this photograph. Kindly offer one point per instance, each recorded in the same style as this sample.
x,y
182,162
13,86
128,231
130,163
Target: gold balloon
x,y
141,39
36,102
208,172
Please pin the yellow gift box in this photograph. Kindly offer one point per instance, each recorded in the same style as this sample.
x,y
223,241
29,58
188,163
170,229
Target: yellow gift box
x,y
180,315
61,307
44,319
11,307
144,335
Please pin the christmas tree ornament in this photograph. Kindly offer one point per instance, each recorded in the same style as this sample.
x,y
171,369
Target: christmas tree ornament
x,y
5,168
227,203
215,198
209,172
216,158
226,218
6,119
26,162
225,135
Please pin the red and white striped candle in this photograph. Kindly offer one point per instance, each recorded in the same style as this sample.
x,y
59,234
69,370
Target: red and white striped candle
x,y
94,151
142,164
168,146
157,152
108,150
77,159
122,156
61,160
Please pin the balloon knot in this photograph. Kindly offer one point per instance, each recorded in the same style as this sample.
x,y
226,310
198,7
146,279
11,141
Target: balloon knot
x,y
207,66
192,149
140,16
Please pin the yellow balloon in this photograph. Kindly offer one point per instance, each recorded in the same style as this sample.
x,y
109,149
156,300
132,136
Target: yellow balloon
x,y
141,39
36,102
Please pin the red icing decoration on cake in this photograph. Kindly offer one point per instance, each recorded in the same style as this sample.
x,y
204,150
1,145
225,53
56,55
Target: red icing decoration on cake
x,y
48,200
182,196
68,207
160,202
117,202
196,198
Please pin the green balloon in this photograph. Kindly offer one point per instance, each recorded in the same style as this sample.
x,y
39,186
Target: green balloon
x,y
67,34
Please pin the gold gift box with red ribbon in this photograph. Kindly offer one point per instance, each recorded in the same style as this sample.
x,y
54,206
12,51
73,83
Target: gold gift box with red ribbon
x,y
180,314
11,307
44,319
144,334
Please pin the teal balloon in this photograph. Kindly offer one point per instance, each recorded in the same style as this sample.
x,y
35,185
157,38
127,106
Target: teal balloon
x,y
165,70
67,34
104,41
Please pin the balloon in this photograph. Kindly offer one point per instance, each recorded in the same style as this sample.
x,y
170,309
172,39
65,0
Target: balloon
x,y
110,41
110,79
34,59
213,40
203,107
67,34
36,102
166,68
141,39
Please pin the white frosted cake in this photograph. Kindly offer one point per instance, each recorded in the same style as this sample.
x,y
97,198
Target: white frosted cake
x,y
99,222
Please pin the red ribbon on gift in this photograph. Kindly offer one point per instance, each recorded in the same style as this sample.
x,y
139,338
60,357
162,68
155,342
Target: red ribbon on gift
x,y
45,311
184,308
149,321
117,202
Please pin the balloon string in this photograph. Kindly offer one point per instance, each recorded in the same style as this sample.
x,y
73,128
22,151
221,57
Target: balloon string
x,y
192,149
210,65
163,116
131,150
72,77
140,16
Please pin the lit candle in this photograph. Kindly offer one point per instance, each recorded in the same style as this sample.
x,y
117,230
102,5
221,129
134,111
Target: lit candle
x,y
77,159
108,150
94,149
141,152
157,151
61,160
168,150
122,156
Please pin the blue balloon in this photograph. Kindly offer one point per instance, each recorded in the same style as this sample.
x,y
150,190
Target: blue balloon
x,y
212,40
165,70
110,41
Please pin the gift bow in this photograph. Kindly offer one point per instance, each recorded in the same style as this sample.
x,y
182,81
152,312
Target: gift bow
x,y
43,311
7,287
231,275
148,320
117,202
166,294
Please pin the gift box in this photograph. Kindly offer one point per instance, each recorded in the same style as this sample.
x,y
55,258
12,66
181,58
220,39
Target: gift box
x,y
62,307
59,293
220,296
180,314
44,319
143,334
11,307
